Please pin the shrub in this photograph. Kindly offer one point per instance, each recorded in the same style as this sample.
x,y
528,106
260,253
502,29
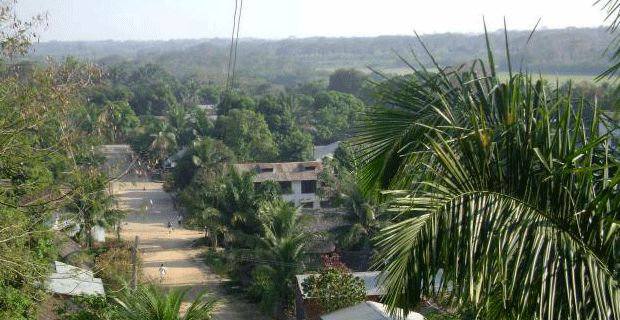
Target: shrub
x,y
87,308
114,266
335,287
262,289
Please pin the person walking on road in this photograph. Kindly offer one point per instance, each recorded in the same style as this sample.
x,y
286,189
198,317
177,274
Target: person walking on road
x,y
162,272
169,227
180,220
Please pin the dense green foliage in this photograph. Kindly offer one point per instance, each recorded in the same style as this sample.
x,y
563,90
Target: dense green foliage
x,y
340,186
505,195
246,133
348,81
289,62
43,151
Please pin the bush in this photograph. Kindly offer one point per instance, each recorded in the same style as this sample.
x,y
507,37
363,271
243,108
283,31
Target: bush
x,y
15,304
335,287
218,262
262,289
87,308
114,266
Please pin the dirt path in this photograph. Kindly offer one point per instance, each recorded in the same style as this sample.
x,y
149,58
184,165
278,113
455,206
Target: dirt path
x,y
152,210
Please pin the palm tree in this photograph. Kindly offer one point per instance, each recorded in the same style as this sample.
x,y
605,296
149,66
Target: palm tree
x,y
339,185
612,8
152,303
237,199
214,221
211,154
283,245
506,199
163,143
362,216
91,204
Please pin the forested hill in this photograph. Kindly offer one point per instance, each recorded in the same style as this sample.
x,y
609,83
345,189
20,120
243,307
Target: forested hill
x,y
559,51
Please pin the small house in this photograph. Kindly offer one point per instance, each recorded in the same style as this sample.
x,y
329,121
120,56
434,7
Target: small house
x,y
298,180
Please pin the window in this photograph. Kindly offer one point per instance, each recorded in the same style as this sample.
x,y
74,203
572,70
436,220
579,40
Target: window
x,y
308,186
286,186
309,168
266,170
307,205
326,204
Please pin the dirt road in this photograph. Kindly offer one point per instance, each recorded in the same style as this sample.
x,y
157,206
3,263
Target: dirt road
x,y
153,209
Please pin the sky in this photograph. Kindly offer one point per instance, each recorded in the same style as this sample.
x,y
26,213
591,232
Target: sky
x,y
276,19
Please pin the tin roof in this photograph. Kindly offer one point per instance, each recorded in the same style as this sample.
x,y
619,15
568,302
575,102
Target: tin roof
x,y
282,171
328,150
368,310
73,281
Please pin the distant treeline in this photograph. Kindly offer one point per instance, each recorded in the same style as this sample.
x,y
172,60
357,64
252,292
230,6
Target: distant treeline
x,y
560,51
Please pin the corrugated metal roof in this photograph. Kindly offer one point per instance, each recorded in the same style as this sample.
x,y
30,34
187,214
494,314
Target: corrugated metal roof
x,y
368,310
282,171
328,150
73,281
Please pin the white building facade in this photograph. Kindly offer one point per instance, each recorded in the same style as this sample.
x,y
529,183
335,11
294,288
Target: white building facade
x,y
298,180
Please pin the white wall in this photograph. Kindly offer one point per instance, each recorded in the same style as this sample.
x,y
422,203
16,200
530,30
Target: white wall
x,y
298,198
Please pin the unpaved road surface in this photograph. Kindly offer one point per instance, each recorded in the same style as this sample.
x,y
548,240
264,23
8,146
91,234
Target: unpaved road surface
x,y
151,210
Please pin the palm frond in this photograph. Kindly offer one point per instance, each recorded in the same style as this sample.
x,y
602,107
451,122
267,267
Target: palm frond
x,y
506,198
612,9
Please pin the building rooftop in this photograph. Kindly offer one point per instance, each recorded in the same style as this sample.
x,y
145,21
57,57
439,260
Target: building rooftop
x,y
328,150
368,310
282,171
73,281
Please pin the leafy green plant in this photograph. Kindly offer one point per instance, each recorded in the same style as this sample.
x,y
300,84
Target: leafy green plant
x,y
506,196
88,307
335,288
153,303
263,288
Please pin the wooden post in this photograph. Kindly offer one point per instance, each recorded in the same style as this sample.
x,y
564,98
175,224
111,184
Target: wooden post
x,y
134,265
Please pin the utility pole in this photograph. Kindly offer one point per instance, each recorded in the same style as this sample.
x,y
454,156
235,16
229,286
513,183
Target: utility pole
x,y
134,265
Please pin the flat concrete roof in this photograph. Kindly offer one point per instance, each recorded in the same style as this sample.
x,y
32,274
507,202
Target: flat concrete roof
x,y
74,281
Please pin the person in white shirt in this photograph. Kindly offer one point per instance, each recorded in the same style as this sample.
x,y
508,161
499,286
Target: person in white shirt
x,y
180,220
162,272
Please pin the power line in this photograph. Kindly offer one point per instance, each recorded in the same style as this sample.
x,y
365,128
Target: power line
x,y
232,39
232,80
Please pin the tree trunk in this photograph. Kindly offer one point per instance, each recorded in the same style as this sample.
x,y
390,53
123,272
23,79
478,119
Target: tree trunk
x,y
134,264
88,234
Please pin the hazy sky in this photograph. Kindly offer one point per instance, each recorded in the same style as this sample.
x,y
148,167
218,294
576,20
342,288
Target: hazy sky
x,y
174,19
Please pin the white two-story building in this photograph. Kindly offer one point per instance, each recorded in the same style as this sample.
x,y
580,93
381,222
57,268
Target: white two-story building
x,y
298,180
